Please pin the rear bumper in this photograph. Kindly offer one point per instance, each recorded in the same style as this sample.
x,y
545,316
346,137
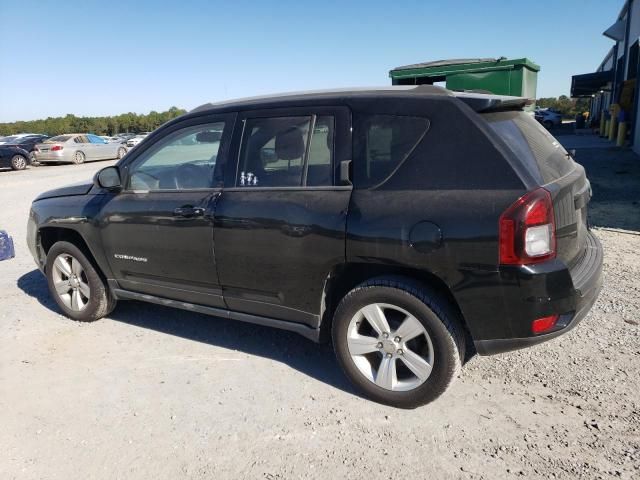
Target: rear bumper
x,y
586,279
43,157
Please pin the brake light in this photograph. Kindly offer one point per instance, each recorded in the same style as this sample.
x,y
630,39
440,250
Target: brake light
x,y
56,148
544,324
527,230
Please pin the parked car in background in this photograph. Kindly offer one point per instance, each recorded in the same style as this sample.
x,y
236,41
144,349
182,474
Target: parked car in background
x,y
132,142
13,156
12,138
315,232
28,143
120,140
125,135
77,148
548,117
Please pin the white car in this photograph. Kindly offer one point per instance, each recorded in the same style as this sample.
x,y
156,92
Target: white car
x,y
548,117
132,142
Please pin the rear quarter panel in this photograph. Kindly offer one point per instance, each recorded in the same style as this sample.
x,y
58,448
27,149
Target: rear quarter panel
x,y
458,180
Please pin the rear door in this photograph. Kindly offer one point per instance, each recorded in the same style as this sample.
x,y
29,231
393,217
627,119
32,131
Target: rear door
x,y
547,160
280,221
83,144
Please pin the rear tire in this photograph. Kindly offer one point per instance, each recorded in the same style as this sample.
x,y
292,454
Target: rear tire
x,y
19,162
420,369
79,158
75,284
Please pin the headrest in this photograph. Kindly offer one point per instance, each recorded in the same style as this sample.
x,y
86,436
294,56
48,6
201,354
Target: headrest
x,y
290,144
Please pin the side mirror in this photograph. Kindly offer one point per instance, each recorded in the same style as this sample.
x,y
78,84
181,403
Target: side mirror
x,y
108,178
208,137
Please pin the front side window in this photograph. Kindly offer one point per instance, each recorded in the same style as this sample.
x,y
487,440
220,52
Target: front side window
x,y
382,143
287,152
185,159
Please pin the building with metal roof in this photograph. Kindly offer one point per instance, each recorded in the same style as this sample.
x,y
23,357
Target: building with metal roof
x,y
614,81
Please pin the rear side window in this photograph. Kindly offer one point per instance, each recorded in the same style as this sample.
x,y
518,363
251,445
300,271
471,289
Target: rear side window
x,y
382,143
531,143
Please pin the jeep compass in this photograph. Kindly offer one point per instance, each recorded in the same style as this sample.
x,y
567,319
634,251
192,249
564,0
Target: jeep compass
x,y
410,226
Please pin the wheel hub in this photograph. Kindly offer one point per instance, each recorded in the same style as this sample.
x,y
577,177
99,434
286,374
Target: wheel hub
x,y
389,346
70,283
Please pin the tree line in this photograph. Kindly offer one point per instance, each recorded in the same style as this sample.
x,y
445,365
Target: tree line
x,y
568,107
126,122
133,122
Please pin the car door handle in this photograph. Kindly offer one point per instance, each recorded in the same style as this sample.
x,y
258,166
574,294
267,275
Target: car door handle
x,y
188,212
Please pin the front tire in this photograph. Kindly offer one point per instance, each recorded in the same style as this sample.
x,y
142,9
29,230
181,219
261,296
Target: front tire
x,y
18,162
76,285
33,159
399,342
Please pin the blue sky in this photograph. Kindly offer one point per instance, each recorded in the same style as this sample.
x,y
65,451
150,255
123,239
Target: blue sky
x,y
107,57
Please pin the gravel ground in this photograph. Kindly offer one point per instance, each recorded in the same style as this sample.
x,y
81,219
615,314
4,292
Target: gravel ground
x,y
158,393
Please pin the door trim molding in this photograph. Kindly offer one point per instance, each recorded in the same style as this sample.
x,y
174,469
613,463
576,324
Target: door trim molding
x,y
312,334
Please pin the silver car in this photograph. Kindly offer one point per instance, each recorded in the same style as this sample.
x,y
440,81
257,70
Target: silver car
x,y
77,148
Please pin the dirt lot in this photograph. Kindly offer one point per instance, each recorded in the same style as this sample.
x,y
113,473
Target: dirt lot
x,y
153,392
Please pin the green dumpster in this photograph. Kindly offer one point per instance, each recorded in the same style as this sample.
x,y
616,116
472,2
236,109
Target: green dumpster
x,y
501,76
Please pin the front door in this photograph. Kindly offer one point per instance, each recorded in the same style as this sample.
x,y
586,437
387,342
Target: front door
x,y
280,221
158,232
101,150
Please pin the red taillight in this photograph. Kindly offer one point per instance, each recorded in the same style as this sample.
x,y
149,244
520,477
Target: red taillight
x,y
544,324
56,148
527,230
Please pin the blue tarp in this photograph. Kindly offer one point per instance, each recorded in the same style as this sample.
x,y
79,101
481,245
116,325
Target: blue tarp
x,y
6,246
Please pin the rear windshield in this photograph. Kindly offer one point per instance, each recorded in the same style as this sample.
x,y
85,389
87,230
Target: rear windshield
x,y
531,143
59,138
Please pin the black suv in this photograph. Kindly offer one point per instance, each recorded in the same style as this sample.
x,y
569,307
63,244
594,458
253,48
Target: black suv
x,y
413,226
